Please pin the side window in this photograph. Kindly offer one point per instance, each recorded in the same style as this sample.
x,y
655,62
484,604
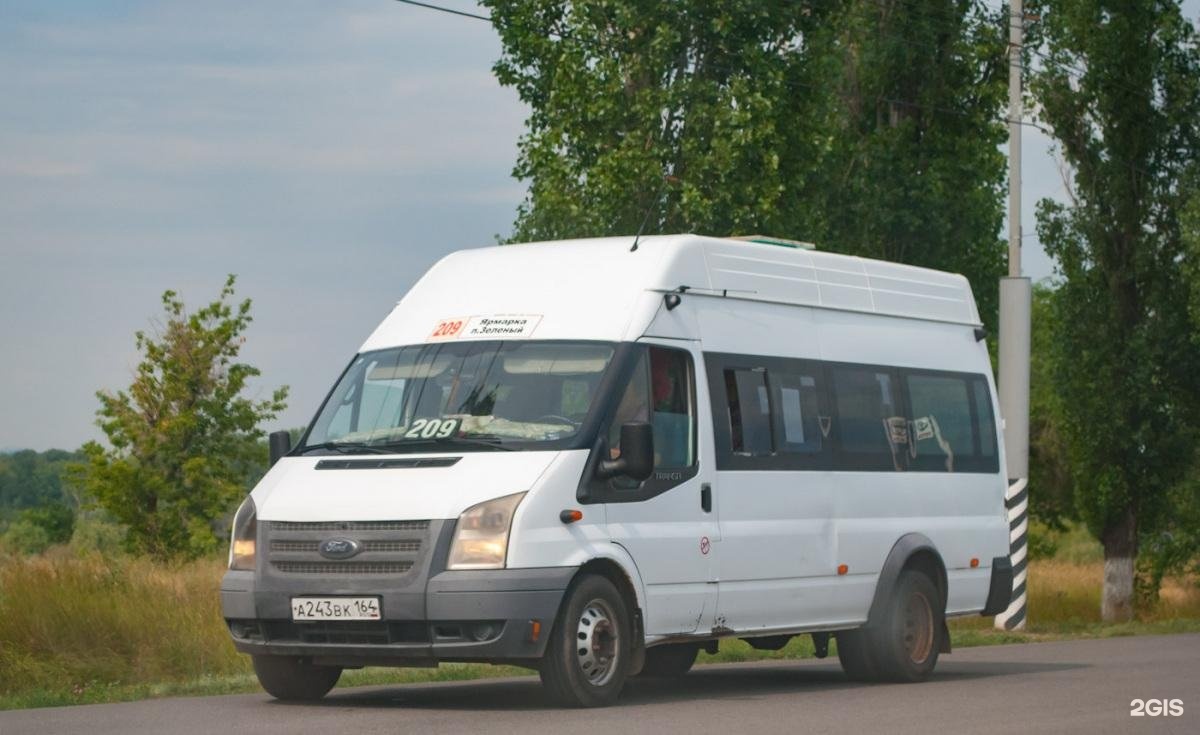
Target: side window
x,y
672,413
872,431
953,427
749,411
634,405
801,426
770,413
941,423
662,392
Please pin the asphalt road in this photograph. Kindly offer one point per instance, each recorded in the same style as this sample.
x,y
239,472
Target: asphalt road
x,y
1065,687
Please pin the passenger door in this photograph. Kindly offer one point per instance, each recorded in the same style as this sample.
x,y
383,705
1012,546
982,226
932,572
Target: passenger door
x,y
666,523
778,508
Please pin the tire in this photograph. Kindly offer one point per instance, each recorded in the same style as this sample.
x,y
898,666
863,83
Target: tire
x,y
292,679
906,643
854,653
588,654
670,660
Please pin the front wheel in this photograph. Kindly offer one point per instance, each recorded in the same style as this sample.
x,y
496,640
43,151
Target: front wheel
x,y
293,679
588,654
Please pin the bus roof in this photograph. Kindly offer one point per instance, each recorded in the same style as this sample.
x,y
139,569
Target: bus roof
x,y
598,288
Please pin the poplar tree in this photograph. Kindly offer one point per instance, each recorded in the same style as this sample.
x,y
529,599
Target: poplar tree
x,y
1120,87
870,127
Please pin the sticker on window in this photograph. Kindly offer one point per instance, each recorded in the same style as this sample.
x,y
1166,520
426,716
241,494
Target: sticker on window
x,y
433,428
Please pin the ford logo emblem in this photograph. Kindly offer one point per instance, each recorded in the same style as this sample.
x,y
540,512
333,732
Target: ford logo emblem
x,y
339,548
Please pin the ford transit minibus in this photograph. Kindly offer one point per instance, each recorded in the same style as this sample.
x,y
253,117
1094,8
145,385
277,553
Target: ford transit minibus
x,y
596,458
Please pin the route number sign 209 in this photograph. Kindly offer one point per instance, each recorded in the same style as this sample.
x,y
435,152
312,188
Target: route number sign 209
x,y
448,328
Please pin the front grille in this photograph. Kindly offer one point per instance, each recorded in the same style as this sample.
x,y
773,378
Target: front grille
x,y
348,526
342,567
384,548
314,546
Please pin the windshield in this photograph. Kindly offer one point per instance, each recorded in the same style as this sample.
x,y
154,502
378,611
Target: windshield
x,y
464,395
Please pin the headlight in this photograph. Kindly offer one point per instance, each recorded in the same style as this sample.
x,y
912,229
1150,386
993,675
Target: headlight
x,y
245,529
481,536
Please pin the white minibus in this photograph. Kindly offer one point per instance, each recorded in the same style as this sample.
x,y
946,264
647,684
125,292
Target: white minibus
x,y
598,457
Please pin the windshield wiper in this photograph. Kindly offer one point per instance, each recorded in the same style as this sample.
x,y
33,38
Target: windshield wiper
x,y
346,448
489,443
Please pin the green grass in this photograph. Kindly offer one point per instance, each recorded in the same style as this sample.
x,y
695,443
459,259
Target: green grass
x,y
85,630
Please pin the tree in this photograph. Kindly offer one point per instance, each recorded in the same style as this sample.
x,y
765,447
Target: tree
x,y
913,170
29,479
1121,90
182,435
624,93
870,126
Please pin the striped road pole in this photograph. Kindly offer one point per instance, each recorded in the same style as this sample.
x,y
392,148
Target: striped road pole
x,y
1017,502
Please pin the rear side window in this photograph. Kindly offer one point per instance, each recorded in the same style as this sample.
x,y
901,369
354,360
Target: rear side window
x,y
941,416
872,430
952,427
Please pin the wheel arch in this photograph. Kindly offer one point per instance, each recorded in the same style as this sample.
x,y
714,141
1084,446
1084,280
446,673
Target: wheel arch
x,y
625,578
616,573
911,551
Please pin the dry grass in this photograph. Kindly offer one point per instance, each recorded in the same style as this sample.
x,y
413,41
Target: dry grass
x,y
78,623
1064,597
95,629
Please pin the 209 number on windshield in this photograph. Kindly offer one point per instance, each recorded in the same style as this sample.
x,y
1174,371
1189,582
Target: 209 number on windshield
x,y
433,429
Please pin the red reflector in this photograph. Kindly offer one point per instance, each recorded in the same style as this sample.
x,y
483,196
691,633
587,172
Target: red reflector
x,y
842,568
974,562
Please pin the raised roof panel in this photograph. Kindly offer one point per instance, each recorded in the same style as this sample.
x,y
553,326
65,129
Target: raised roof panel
x,y
813,278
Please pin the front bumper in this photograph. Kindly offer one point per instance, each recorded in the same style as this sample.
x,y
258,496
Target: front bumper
x,y
482,615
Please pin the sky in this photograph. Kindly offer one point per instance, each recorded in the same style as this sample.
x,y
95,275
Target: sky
x,y
325,151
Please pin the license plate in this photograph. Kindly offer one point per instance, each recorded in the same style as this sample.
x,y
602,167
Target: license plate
x,y
335,608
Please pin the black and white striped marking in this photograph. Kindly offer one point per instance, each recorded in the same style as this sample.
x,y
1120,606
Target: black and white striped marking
x,y
1017,502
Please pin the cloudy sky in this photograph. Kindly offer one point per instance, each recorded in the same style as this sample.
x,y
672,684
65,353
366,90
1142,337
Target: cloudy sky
x,y
325,151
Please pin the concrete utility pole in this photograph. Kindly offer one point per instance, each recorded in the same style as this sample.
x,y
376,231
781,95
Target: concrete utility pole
x,y
1016,301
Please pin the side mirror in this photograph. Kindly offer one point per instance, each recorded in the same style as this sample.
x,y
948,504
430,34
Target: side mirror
x,y
279,443
637,453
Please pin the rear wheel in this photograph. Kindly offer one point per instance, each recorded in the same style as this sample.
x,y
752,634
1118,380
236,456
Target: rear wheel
x,y
904,645
588,653
670,660
293,679
908,641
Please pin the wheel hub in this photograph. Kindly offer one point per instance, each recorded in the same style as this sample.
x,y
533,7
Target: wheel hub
x,y
598,643
918,628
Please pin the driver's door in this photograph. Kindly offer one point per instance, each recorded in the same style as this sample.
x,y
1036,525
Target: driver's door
x,y
667,523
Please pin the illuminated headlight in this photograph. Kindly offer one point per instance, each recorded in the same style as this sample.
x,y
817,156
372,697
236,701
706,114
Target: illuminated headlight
x,y
481,536
241,545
